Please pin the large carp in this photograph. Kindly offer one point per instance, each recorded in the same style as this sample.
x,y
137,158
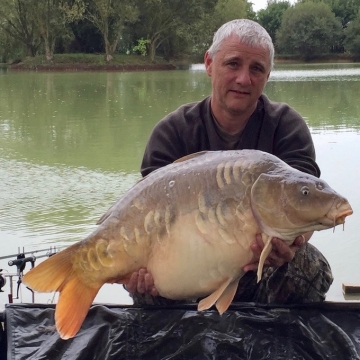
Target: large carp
x,y
191,225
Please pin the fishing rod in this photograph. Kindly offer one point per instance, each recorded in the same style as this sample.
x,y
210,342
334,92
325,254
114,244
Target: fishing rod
x,y
20,263
27,252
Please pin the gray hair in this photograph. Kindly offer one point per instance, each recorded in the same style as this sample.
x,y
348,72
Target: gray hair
x,y
249,32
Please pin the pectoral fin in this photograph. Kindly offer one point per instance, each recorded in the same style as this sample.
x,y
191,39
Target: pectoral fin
x,y
209,301
227,297
264,254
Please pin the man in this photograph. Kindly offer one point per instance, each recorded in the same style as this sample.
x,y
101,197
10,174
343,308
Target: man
x,y
238,115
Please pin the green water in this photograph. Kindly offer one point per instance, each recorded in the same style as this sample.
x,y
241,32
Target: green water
x,y
72,143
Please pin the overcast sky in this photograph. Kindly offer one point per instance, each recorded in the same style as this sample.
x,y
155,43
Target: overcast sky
x,y
262,4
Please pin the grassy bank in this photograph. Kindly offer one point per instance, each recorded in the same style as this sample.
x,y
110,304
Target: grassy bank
x,y
77,62
93,62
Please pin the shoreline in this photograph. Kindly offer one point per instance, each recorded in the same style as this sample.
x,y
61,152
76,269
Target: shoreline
x,y
91,67
116,67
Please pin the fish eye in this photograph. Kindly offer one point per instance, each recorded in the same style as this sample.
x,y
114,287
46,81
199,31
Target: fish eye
x,y
305,190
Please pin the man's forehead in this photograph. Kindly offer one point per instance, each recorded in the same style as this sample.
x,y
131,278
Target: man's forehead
x,y
234,48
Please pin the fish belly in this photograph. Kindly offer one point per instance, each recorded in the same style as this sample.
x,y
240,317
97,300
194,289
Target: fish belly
x,y
187,264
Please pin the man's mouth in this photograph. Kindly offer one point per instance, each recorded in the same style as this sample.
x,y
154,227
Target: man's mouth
x,y
241,92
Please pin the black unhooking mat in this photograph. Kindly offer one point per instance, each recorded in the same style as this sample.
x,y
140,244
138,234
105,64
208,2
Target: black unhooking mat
x,y
245,331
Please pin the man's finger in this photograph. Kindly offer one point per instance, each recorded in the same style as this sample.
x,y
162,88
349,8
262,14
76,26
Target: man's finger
x,y
256,249
141,281
259,241
283,250
131,286
251,267
299,241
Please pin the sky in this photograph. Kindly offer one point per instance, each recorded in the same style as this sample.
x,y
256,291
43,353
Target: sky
x,y
262,4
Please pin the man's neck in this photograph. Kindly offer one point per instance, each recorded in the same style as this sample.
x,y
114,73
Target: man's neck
x,y
231,123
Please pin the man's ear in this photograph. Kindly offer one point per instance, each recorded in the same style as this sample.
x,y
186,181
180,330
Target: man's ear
x,y
208,62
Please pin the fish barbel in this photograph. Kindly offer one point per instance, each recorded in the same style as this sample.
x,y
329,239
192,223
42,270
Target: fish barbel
x,y
191,224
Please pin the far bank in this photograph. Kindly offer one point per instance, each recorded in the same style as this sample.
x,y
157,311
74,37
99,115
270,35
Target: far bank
x,y
97,62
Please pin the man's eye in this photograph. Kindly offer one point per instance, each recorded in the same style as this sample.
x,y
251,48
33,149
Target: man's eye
x,y
258,69
233,64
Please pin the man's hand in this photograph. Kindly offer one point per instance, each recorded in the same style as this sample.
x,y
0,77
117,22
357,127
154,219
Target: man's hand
x,y
142,282
281,253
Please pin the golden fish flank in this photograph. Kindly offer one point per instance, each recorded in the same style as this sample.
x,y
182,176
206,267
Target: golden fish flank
x,y
193,221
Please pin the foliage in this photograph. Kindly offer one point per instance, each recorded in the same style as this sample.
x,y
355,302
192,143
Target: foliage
x,y
352,37
10,50
162,20
226,10
180,29
141,47
271,17
250,13
344,10
308,30
17,22
110,18
50,23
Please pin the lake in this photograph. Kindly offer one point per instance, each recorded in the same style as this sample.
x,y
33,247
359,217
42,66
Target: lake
x,y
71,144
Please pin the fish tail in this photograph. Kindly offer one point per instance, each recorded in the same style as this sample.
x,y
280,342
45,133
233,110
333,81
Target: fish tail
x,y
76,297
50,275
73,305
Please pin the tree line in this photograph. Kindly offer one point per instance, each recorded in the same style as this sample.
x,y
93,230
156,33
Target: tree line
x,y
176,29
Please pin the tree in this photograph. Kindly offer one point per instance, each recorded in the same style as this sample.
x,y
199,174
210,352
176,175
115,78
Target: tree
x,y
10,49
162,20
226,10
50,23
110,17
352,37
271,17
344,10
17,21
250,13
308,30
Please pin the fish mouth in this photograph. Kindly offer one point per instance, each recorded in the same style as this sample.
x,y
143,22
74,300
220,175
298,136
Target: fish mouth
x,y
337,216
340,219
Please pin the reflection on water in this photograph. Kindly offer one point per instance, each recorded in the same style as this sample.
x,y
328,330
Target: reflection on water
x,y
58,204
317,72
72,143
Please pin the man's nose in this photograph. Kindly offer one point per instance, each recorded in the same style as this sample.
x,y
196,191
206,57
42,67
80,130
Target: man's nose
x,y
243,77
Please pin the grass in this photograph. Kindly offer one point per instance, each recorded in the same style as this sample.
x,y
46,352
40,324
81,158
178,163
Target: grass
x,y
91,62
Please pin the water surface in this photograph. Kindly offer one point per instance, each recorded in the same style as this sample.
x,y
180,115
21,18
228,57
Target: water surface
x,y
72,143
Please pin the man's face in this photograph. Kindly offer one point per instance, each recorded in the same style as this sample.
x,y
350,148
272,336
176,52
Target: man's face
x,y
238,74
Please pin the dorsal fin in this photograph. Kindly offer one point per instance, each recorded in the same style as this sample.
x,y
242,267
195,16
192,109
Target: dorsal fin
x,y
191,156
184,158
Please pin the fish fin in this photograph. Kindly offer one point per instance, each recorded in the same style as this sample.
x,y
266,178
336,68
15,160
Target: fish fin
x,y
57,274
107,214
264,254
191,156
73,305
227,297
210,300
50,275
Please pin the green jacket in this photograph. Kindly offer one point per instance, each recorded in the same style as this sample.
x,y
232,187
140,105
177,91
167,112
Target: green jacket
x,y
273,127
